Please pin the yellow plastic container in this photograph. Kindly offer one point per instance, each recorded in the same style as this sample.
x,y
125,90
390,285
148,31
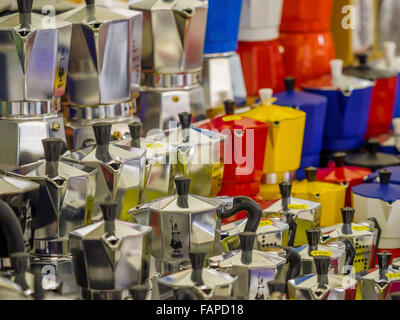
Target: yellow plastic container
x,y
330,196
285,134
269,191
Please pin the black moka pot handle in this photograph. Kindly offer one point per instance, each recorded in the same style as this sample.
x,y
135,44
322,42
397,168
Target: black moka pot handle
x,y
252,208
350,256
378,237
293,258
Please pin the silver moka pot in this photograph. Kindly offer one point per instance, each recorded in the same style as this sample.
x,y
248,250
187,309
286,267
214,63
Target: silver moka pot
x,y
110,256
65,203
379,283
172,59
322,285
197,283
186,222
120,172
104,77
161,159
34,55
255,268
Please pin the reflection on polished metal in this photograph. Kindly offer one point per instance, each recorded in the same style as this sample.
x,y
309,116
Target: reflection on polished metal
x,y
172,59
30,86
363,236
110,256
341,254
65,203
161,160
200,155
22,196
120,174
104,69
185,222
306,214
198,282
223,79
254,268
378,283
322,285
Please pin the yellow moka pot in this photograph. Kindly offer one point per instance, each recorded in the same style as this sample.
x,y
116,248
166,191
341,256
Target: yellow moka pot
x,y
330,196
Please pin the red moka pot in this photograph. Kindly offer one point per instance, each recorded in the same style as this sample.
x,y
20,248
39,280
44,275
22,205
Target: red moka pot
x,y
346,176
244,151
262,65
383,95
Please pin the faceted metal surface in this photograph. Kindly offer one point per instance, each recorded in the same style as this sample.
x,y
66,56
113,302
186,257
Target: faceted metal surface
x,y
307,288
121,179
26,74
252,278
161,169
105,264
21,139
376,286
65,203
216,285
105,55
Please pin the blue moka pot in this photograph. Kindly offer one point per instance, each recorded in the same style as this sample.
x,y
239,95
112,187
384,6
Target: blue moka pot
x,y
222,69
395,178
349,100
222,26
315,108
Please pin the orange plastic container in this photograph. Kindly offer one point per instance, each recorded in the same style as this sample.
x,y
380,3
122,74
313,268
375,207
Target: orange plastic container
x,y
307,55
262,66
306,15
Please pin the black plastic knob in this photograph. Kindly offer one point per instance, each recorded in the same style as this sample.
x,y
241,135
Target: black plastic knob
x,y
182,189
109,210
285,189
102,133
135,129
290,83
373,146
197,260
347,215
384,176
230,106
185,119
313,236
90,2
52,148
384,260
362,59
339,159
322,264
311,174
24,6
276,286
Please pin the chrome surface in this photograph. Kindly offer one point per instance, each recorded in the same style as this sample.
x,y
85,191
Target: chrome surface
x,y
199,158
65,203
252,278
107,264
276,178
26,75
20,139
119,111
223,79
28,109
120,179
105,55
161,167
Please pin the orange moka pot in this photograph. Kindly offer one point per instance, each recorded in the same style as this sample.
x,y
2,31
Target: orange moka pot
x,y
244,151
306,15
307,54
262,65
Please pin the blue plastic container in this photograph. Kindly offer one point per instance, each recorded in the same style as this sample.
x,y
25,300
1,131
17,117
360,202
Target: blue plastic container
x,y
222,26
396,113
347,111
315,107
395,178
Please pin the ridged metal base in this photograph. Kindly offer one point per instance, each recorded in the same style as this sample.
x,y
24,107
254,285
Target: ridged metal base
x,y
29,109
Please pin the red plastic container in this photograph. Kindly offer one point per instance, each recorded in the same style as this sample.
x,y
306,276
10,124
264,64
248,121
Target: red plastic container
x,y
307,55
347,176
306,15
244,151
262,65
